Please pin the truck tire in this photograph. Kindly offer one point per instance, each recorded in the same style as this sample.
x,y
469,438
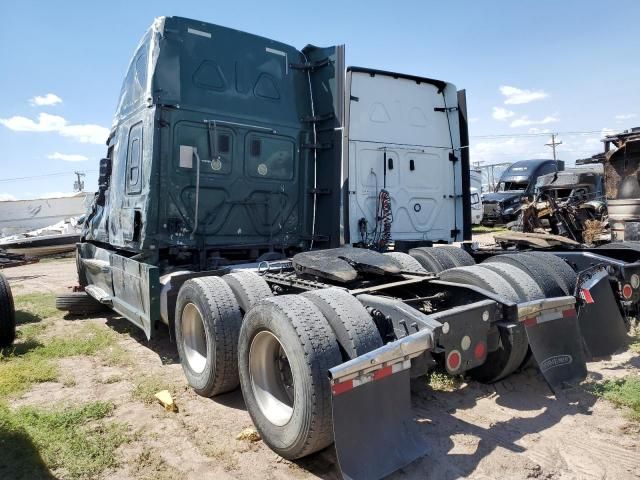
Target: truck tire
x,y
352,325
285,349
407,262
559,266
207,324
526,287
546,278
7,314
520,280
624,245
79,303
513,346
248,287
432,260
460,257
481,277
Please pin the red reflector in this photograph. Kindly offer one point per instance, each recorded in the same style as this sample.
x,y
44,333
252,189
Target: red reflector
x,y
342,387
383,372
627,291
453,360
569,313
480,350
530,321
586,294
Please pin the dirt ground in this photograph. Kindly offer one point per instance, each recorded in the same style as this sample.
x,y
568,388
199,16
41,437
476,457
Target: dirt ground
x,y
511,430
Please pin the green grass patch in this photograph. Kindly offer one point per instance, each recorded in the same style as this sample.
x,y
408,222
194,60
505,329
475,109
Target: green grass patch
x,y
145,389
623,392
485,229
443,382
31,361
18,374
634,346
88,341
30,331
77,441
34,307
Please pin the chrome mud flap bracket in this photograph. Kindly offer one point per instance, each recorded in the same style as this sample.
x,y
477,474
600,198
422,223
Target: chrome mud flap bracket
x,y
555,340
375,432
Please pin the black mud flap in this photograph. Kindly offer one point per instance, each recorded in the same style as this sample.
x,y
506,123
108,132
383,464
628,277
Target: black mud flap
x,y
375,432
601,323
556,343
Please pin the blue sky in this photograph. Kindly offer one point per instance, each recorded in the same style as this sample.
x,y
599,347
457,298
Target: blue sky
x,y
528,67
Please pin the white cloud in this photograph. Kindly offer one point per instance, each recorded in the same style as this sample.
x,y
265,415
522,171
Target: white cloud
x,y
626,116
500,113
43,100
517,96
6,196
524,121
87,133
500,150
67,157
45,123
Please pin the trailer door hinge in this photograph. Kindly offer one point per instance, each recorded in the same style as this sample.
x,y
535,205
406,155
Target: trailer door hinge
x,y
452,157
443,109
311,66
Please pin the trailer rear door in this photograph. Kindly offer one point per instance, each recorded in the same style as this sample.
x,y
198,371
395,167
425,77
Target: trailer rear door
x,y
402,136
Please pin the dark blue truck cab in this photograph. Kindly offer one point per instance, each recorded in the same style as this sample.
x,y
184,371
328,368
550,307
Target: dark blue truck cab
x,y
517,182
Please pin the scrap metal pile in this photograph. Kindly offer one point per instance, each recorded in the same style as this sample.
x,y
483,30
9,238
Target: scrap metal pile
x,y
570,204
622,186
597,202
14,259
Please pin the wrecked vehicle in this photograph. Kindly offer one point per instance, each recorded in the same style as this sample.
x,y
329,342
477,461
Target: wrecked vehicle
x,y
621,170
516,184
569,203
229,202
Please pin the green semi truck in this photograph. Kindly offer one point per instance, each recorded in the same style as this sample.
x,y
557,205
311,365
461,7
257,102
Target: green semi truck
x,y
276,210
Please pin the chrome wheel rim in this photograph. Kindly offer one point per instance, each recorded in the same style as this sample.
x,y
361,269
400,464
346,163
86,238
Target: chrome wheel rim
x,y
271,378
194,338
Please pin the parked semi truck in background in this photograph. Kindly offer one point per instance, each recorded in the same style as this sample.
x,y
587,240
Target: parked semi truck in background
x,y
240,173
516,184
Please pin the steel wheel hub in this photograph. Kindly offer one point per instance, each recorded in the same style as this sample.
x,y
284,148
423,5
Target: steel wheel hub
x,y
194,338
271,378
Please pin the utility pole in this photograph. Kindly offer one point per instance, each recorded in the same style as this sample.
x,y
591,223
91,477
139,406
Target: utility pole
x,y
79,183
553,144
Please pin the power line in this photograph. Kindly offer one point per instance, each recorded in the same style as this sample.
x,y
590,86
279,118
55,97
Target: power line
x,y
541,134
57,174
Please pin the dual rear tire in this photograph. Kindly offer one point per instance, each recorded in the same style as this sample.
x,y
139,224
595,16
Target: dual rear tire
x,y
444,257
279,353
519,278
